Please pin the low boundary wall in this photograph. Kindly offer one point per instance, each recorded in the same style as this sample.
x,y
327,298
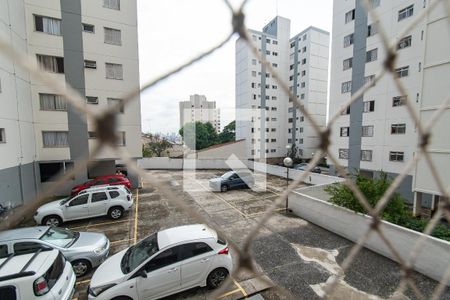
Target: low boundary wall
x,y
433,259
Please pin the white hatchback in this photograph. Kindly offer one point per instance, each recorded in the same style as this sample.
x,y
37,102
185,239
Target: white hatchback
x,y
164,263
44,274
93,202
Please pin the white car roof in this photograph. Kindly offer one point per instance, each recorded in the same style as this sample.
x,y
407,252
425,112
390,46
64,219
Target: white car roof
x,y
103,187
185,233
38,263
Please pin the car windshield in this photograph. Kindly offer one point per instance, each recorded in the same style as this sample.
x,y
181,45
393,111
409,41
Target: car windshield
x,y
60,237
227,175
138,253
64,201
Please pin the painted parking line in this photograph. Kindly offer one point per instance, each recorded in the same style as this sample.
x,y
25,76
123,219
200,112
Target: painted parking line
x,y
83,281
99,224
120,241
229,293
240,288
136,214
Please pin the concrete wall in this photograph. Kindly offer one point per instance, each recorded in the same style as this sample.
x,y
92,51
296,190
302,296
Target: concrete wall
x,y
166,163
432,260
224,151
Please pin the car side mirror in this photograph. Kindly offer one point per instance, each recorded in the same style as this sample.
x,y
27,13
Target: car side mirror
x,y
142,273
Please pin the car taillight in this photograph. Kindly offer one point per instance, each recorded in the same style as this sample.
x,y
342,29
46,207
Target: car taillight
x,y
40,286
223,251
129,197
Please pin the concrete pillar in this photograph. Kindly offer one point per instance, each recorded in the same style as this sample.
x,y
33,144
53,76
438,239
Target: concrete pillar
x,y
417,204
434,202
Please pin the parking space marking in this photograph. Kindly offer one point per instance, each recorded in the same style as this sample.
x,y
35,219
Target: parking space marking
x,y
229,293
120,241
240,288
136,216
263,212
83,281
99,224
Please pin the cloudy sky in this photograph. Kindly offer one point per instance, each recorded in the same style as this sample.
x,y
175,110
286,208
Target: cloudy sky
x,y
172,31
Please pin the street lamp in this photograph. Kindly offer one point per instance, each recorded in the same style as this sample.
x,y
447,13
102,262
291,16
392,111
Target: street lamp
x,y
287,163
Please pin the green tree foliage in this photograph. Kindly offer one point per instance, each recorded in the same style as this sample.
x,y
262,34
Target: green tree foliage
x,y
228,134
202,134
395,212
158,147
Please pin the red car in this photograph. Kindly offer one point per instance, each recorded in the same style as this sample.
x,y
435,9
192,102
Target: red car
x,y
102,180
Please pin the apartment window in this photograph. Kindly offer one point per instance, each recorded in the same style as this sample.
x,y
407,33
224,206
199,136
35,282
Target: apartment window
x,y
52,102
303,61
369,79
404,42
367,131
372,29
267,52
114,71
398,128
273,129
47,25
304,37
291,78
303,84
343,153
348,40
396,156
402,72
275,53
346,87
347,64
273,140
406,12
48,171
121,141
274,42
346,111
92,135
90,64
254,73
274,97
369,106
88,28
49,63
304,49
274,65
301,129
374,3
366,155
290,120
113,4
267,97
345,131
290,109
254,62
302,119
399,100
350,16
113,36
2,135
300,141
303,73
274,108
114,102
302,96
91,100
372,55
55,139
292,44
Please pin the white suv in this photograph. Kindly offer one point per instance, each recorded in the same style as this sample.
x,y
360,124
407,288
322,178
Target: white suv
x,y
44,274
93,202
164,263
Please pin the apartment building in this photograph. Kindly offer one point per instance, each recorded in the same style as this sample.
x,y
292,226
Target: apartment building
x,y
92,45
377,133
198,109
265,116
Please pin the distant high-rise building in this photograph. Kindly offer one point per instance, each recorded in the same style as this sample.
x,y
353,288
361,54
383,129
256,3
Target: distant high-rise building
x,y
198,109
265,116
92,45
377,132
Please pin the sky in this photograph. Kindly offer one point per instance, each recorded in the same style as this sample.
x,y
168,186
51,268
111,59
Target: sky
x,y
173,31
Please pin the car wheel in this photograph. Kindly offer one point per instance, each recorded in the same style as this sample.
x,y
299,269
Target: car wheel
x,y
81,267
224,188
216,278
52,221
115,212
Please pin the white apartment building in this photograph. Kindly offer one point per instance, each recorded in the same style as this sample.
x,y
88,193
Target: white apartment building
x,y
377,133
198,109
92,45
265,116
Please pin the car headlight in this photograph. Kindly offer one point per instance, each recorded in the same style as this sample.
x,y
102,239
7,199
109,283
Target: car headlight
x,y
100,289
98,250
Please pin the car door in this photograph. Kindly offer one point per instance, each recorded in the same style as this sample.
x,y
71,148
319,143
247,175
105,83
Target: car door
x,y
77,208
99,204
163,275
196,260
233,180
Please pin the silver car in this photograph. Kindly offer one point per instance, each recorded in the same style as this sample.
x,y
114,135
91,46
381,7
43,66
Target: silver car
x,y
85,250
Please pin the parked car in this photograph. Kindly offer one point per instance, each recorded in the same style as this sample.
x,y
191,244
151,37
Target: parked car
x,y
232,180
44,274
164,263
117,179
112,201
304,166
85,250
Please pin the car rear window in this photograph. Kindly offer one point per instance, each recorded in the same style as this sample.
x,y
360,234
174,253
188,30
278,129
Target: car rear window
x,y
26,247
54,272
3,252
114,194
8,292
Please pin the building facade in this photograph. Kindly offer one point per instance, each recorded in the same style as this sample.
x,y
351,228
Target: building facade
x,y
265,116
198,109
92,45
377,133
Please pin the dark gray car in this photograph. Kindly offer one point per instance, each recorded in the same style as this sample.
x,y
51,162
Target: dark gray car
x,y
85,250
232,180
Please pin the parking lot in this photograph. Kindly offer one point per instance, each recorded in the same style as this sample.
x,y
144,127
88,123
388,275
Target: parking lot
x,y
293,253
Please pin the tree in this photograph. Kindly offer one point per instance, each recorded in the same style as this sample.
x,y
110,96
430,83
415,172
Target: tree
x,y
229,133
158,147
202,134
